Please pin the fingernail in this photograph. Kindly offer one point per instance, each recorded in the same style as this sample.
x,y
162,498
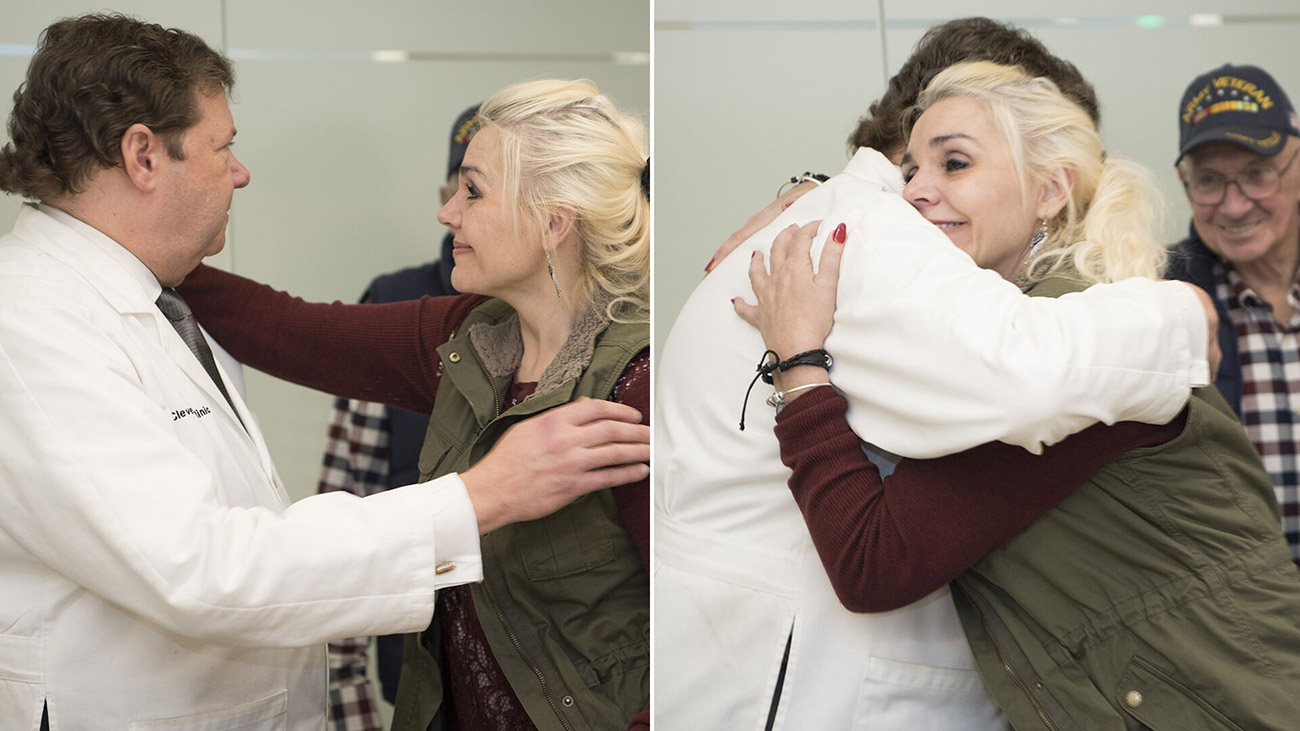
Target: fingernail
x,y
733,300
708,267
841,233
753,254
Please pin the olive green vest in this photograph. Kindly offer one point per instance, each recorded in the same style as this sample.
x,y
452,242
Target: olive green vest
x,y
1161,594
565,600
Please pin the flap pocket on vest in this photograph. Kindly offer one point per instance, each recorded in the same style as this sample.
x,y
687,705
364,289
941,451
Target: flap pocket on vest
x,y
620,660
266,714
431,459
1159,701
576,539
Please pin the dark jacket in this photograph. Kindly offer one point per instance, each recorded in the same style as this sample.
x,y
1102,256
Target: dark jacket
x,y
564,601
1191,261
1160,594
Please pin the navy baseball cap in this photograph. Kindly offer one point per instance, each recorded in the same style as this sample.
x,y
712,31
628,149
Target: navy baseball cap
x,y
461,133
1241,105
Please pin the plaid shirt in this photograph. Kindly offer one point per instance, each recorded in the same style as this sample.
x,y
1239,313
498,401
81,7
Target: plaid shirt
x,y
356,461
1270,388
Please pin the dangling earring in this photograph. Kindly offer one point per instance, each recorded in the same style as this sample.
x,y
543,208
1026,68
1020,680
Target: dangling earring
x,y
550,269
1036,242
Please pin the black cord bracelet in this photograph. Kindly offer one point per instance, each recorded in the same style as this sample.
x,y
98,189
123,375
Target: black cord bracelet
x,y
765,367
771,362
818,357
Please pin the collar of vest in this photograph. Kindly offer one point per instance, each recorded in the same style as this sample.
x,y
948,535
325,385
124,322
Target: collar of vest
x,y
499,343
492,332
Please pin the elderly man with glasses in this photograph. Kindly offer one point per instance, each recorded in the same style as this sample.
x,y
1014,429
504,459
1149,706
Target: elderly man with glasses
x,y
1238,142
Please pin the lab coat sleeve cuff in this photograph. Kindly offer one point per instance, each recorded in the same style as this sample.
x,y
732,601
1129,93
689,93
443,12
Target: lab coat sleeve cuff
x,y
457,557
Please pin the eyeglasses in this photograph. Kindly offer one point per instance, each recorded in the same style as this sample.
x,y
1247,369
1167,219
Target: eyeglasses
x,y
1208,188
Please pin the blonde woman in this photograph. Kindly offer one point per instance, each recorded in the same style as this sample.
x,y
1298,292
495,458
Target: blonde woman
x,y
552,234
1130,577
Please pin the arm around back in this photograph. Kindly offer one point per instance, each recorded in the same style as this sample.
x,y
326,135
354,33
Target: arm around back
x,y
937,355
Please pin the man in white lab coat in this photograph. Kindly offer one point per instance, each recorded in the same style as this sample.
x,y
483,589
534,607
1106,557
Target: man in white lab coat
x,y
152,571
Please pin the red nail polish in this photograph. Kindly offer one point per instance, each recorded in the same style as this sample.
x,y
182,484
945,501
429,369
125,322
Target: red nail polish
x,y
753,254
708,267
841,233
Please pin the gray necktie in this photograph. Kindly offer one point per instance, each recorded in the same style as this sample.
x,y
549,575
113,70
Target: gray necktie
x,y
179,315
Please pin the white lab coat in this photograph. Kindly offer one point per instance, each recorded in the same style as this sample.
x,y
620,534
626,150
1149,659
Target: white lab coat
x,y
153,574
935,355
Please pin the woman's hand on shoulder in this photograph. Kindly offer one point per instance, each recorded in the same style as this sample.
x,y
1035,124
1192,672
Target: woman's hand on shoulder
x,y
795,307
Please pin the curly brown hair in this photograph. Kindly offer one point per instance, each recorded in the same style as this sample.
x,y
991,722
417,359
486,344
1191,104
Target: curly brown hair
x,y
890,117
90,79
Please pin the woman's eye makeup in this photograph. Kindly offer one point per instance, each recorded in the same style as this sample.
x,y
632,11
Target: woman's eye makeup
x,y
472,190
954,164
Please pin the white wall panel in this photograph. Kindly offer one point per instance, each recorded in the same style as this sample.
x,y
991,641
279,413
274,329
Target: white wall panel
x,y
537,26
737,111
671,11
1173,11
23,21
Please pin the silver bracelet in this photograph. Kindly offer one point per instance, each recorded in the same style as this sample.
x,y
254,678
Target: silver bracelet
x,y
777,400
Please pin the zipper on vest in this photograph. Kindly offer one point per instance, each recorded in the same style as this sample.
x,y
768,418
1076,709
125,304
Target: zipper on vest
x,y
1024,688
492,384
995,629
541,679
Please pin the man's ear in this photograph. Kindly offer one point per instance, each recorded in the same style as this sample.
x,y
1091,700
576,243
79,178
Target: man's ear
x,y
1056,194
142,153
561,223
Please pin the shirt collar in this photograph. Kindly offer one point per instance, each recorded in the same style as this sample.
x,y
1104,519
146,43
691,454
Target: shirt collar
x,y
135,270
869,164
1246,297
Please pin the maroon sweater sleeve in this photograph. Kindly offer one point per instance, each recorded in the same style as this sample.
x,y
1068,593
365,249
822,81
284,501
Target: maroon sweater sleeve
x,y
886,544
633,500
633,389
384,353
